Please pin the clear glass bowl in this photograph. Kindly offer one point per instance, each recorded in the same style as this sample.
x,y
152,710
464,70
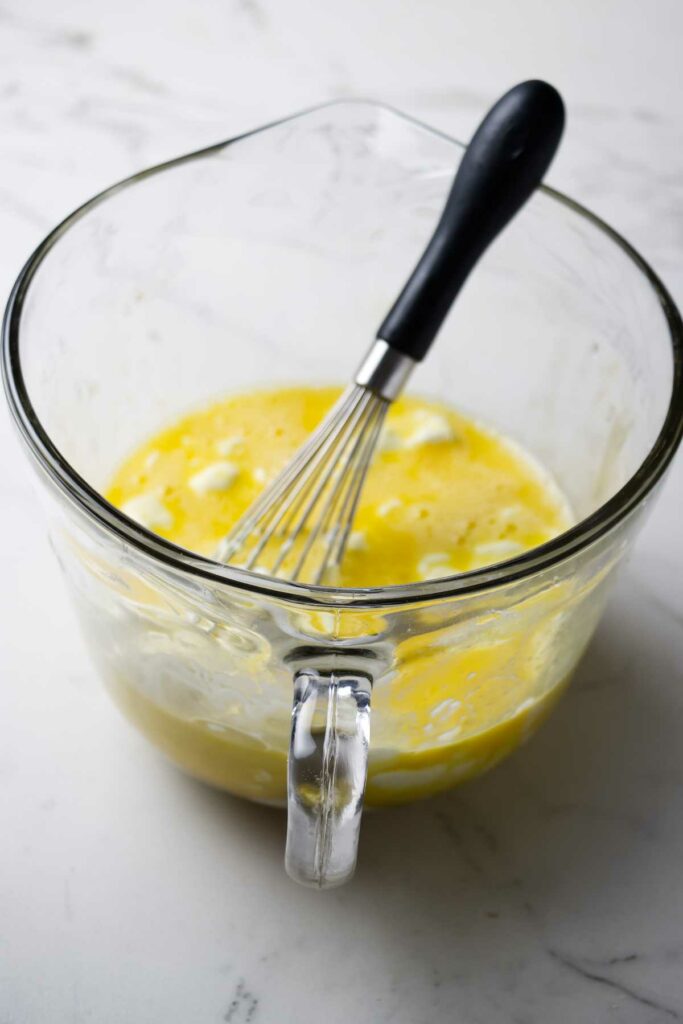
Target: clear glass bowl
x,y
214,273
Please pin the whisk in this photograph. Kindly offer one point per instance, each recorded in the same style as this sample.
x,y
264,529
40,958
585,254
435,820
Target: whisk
x,y
300,525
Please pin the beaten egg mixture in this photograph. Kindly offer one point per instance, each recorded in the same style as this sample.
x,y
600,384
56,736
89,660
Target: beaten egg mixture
x,y
444,495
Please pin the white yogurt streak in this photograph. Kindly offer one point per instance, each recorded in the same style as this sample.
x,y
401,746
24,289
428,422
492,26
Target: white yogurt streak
x,y
357,541
148,511
388,506
430,428
219,476
389,440
418,428
496,551
434,566
228,445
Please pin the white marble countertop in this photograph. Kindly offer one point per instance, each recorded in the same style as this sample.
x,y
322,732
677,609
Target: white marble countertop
x,y
549,891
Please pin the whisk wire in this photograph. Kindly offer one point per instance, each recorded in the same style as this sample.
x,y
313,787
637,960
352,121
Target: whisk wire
x,y
321,474
281,511
262,510
340,534
315,498
338,491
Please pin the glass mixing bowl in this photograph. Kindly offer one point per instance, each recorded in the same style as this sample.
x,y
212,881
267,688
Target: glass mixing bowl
x,y
214,273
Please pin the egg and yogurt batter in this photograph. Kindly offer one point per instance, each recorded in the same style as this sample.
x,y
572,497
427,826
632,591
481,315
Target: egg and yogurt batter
x,y
444,495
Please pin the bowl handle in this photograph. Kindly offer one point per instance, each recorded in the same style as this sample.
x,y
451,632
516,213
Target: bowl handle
x,y
327,769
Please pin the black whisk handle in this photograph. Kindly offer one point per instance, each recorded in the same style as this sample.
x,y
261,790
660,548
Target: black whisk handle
x,y
503,164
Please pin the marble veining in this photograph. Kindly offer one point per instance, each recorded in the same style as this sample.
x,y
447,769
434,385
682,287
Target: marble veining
x,y
549,890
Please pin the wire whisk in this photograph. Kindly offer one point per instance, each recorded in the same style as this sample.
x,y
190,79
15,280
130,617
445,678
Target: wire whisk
x,y
299,527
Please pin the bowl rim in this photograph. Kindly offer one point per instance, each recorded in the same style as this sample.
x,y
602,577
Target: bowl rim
x,y
79,493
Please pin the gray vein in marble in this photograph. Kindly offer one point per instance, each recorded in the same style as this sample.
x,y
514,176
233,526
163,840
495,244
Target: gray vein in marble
x,y
72,39
475,842
648,115
17,206
243,1005
139,80
593,976
611,961
254,11
454,833
108,118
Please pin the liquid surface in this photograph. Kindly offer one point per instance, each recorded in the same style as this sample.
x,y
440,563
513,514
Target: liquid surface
x,y
443,495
